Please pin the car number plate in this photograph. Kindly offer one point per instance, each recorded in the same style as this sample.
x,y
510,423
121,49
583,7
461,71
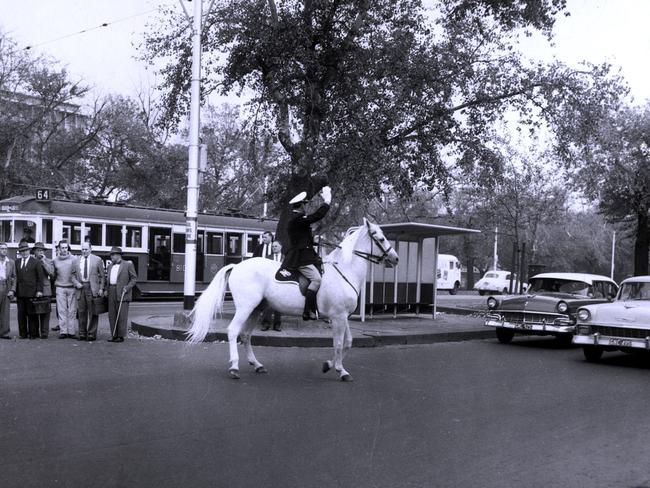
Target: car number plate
x,y
620,342
524,326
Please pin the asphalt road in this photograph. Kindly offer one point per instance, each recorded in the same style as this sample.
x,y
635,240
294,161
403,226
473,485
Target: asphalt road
x,y
155,413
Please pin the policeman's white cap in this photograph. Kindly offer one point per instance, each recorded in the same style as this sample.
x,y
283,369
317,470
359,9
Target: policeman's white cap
x,y
299,198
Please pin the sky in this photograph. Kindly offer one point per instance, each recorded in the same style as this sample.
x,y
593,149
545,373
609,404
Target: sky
x,y
597,30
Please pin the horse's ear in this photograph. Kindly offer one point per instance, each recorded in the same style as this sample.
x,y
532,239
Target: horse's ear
x,y
366,222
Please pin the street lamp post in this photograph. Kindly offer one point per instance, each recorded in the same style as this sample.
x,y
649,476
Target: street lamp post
x,y
191,214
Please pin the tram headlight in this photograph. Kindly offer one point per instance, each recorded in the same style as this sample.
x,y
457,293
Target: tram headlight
x,y
562,307
492,303
584,315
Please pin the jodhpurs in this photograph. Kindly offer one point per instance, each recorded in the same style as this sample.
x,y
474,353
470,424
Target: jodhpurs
x,y
313,275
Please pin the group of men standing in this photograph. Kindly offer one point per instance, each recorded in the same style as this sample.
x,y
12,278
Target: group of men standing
x,y
76,281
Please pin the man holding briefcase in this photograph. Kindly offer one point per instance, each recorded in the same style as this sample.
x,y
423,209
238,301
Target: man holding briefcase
x,y
90,270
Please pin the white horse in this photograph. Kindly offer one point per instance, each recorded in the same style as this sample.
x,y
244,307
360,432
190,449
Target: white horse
x,y
252,281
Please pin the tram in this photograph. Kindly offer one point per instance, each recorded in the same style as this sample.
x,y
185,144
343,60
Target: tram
x,y
154,239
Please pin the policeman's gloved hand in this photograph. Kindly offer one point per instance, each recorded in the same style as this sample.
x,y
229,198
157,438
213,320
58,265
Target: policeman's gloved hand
x,y
326,194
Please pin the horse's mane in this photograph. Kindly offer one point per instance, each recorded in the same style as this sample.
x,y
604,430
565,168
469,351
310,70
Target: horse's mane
x,y
346,248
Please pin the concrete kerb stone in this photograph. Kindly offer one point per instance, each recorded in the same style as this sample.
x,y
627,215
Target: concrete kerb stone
x,y
178,331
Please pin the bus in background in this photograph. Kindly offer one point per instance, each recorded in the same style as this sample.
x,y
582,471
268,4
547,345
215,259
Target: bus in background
x,y
154,239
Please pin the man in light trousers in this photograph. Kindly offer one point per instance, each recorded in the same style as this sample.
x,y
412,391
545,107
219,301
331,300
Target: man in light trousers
x,y
66,282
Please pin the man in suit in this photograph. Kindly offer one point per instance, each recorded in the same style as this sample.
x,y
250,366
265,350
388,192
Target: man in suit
x,y
91,275
29,284
48,268
7,289
268,313
263,249
121,280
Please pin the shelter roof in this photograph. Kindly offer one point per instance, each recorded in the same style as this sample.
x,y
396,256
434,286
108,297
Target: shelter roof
x,y
414,231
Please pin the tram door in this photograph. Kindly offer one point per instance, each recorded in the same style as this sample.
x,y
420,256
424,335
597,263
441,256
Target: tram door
x,y
234,247
159,264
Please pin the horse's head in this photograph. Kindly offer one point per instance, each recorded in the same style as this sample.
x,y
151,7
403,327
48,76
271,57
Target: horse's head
x,y
377,237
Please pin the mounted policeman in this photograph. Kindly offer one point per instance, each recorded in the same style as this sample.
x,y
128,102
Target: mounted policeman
x,y
300,255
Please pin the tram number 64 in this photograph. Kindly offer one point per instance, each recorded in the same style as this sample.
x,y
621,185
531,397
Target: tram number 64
x,y
42,194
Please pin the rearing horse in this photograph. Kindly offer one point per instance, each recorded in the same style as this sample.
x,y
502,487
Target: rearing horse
x,y
252,281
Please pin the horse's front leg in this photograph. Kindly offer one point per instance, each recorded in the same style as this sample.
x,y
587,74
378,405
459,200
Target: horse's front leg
x,y
339,326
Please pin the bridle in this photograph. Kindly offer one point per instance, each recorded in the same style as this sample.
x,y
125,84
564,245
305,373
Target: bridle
x,y
374,258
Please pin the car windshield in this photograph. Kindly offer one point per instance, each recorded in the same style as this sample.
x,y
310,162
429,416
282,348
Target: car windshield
x,y
634,291
491,275
558,285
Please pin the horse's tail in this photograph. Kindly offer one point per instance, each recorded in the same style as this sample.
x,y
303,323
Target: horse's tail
x,y
209,303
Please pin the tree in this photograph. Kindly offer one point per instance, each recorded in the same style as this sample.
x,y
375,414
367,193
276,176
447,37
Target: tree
x,y
39,121
610,163
371,94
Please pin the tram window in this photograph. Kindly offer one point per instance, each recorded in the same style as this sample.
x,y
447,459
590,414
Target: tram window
x,y
233,243
133,236
5,230
113,235
72,232
24,229
94,234
159,256
178,243
251,242
214,243
47,231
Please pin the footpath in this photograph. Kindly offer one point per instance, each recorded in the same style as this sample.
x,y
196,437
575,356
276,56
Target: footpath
x,y
451,324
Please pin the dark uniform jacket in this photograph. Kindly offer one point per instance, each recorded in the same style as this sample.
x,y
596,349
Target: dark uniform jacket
x,y
301,241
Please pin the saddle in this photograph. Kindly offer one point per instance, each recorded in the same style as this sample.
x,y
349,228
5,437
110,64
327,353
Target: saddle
x,y
292,277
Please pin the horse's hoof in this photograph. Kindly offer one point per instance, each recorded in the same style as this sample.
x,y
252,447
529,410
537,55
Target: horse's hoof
x,y
261,369
234,374
347,378
326,367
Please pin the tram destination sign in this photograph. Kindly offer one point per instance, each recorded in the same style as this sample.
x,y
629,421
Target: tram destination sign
x,y
43,194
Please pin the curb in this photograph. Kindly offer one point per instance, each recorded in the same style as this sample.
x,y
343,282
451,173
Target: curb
x,y
366,340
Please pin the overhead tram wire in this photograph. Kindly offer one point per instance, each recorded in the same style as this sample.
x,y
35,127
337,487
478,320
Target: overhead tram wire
x,y
90,29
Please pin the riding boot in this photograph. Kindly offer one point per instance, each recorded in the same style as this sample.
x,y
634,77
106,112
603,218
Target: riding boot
x,y
310,306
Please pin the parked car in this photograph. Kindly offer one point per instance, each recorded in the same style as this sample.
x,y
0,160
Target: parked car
x,y
497,282
621,325
549,306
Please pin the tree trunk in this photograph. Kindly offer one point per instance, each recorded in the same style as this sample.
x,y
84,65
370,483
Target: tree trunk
x,y
641,244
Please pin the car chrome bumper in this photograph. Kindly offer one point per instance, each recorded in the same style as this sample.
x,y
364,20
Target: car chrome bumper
x,y
611,341
558,326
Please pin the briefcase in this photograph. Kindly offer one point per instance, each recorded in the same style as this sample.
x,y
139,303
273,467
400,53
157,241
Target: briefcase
x,y
37,306
100,305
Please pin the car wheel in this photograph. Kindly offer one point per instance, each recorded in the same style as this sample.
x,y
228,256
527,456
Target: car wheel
x,y
454,290
481,292
504,335
592,353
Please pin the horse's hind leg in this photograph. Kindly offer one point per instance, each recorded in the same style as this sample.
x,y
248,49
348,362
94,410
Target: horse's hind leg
x,y
234,329
245,336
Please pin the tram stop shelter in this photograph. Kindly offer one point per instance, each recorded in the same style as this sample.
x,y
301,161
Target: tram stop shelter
x,y
411,286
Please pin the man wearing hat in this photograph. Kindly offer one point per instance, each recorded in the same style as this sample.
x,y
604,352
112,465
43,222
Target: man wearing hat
x,y
301,255
7,289
48,268
121,280
29,284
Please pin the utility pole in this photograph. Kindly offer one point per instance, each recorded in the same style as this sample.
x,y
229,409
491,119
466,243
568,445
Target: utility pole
x,y
611,275
191,214
496,256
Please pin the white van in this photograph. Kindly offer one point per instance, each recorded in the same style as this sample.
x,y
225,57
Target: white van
x,y
448,276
